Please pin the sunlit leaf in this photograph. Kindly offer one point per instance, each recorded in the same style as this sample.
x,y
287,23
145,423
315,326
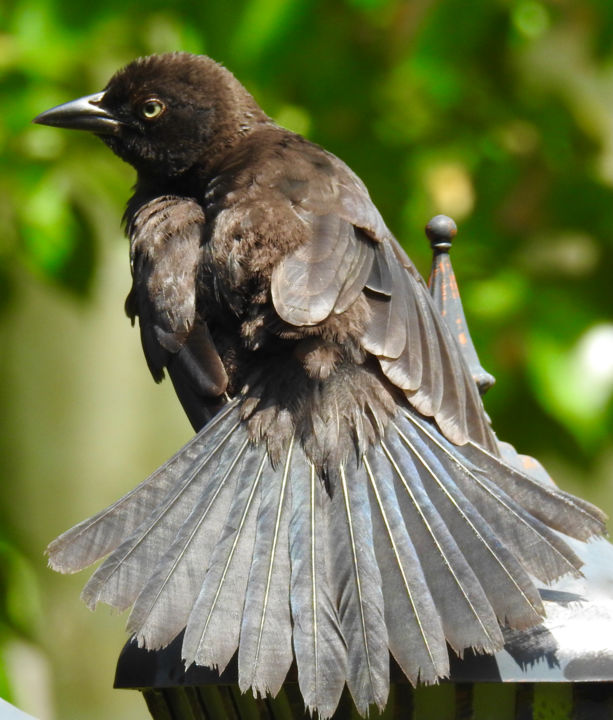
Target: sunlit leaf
x,y
576,384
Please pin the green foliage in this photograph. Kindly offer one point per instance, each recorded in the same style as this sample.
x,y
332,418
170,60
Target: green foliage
x,y
19,603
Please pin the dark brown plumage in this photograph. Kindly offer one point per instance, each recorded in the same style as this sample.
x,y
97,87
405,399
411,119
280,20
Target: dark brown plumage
x,y
346,496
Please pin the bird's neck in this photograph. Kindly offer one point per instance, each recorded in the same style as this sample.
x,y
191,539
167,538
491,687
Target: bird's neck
x,y
195,181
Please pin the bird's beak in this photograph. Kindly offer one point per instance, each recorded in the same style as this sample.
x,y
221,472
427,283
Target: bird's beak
x,y
82,114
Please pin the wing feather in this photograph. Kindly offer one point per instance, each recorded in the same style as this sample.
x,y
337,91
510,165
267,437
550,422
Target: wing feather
x,y
419,355
323,276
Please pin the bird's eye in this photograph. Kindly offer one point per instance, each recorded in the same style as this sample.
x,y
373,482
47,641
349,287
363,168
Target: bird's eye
x,y
151,109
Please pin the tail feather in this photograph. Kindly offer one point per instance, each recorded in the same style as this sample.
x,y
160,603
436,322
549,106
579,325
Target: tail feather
x,y
265,650
356,582
213,629
99,535
540,550
554,507
319,646
122,576
162,609
416,637
466,614
507,586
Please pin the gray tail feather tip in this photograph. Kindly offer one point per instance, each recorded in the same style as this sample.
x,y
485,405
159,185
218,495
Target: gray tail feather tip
x,y
419,545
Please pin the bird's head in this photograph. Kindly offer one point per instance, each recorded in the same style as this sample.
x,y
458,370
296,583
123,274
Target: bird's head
x,y
164,114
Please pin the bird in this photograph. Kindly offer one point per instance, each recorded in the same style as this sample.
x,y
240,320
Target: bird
x,y
344,499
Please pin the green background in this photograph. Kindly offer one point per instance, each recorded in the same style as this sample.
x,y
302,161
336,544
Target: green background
x,y
497,112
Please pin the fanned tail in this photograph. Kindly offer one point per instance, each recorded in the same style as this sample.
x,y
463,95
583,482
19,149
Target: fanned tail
x,y
558,509
417,545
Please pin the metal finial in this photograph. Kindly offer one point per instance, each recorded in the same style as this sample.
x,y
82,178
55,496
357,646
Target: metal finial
x,y
440,231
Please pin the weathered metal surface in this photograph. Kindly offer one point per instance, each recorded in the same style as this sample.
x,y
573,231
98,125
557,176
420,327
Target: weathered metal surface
x,y
444,288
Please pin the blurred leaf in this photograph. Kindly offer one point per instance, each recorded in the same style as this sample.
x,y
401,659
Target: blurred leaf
x,y
55,241
6,691
261,24
576,384
530,18
21,603
498,298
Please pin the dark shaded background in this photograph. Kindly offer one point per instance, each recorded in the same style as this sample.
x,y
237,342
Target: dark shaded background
x,y
497,112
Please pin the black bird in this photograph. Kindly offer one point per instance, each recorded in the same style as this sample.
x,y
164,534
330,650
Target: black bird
x,y
345,496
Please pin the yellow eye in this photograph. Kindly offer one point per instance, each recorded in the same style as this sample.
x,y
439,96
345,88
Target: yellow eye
x,y
152,109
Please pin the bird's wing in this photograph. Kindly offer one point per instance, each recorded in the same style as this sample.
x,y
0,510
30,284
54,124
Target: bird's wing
x,y
416,350
323,276
350,254
165,235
